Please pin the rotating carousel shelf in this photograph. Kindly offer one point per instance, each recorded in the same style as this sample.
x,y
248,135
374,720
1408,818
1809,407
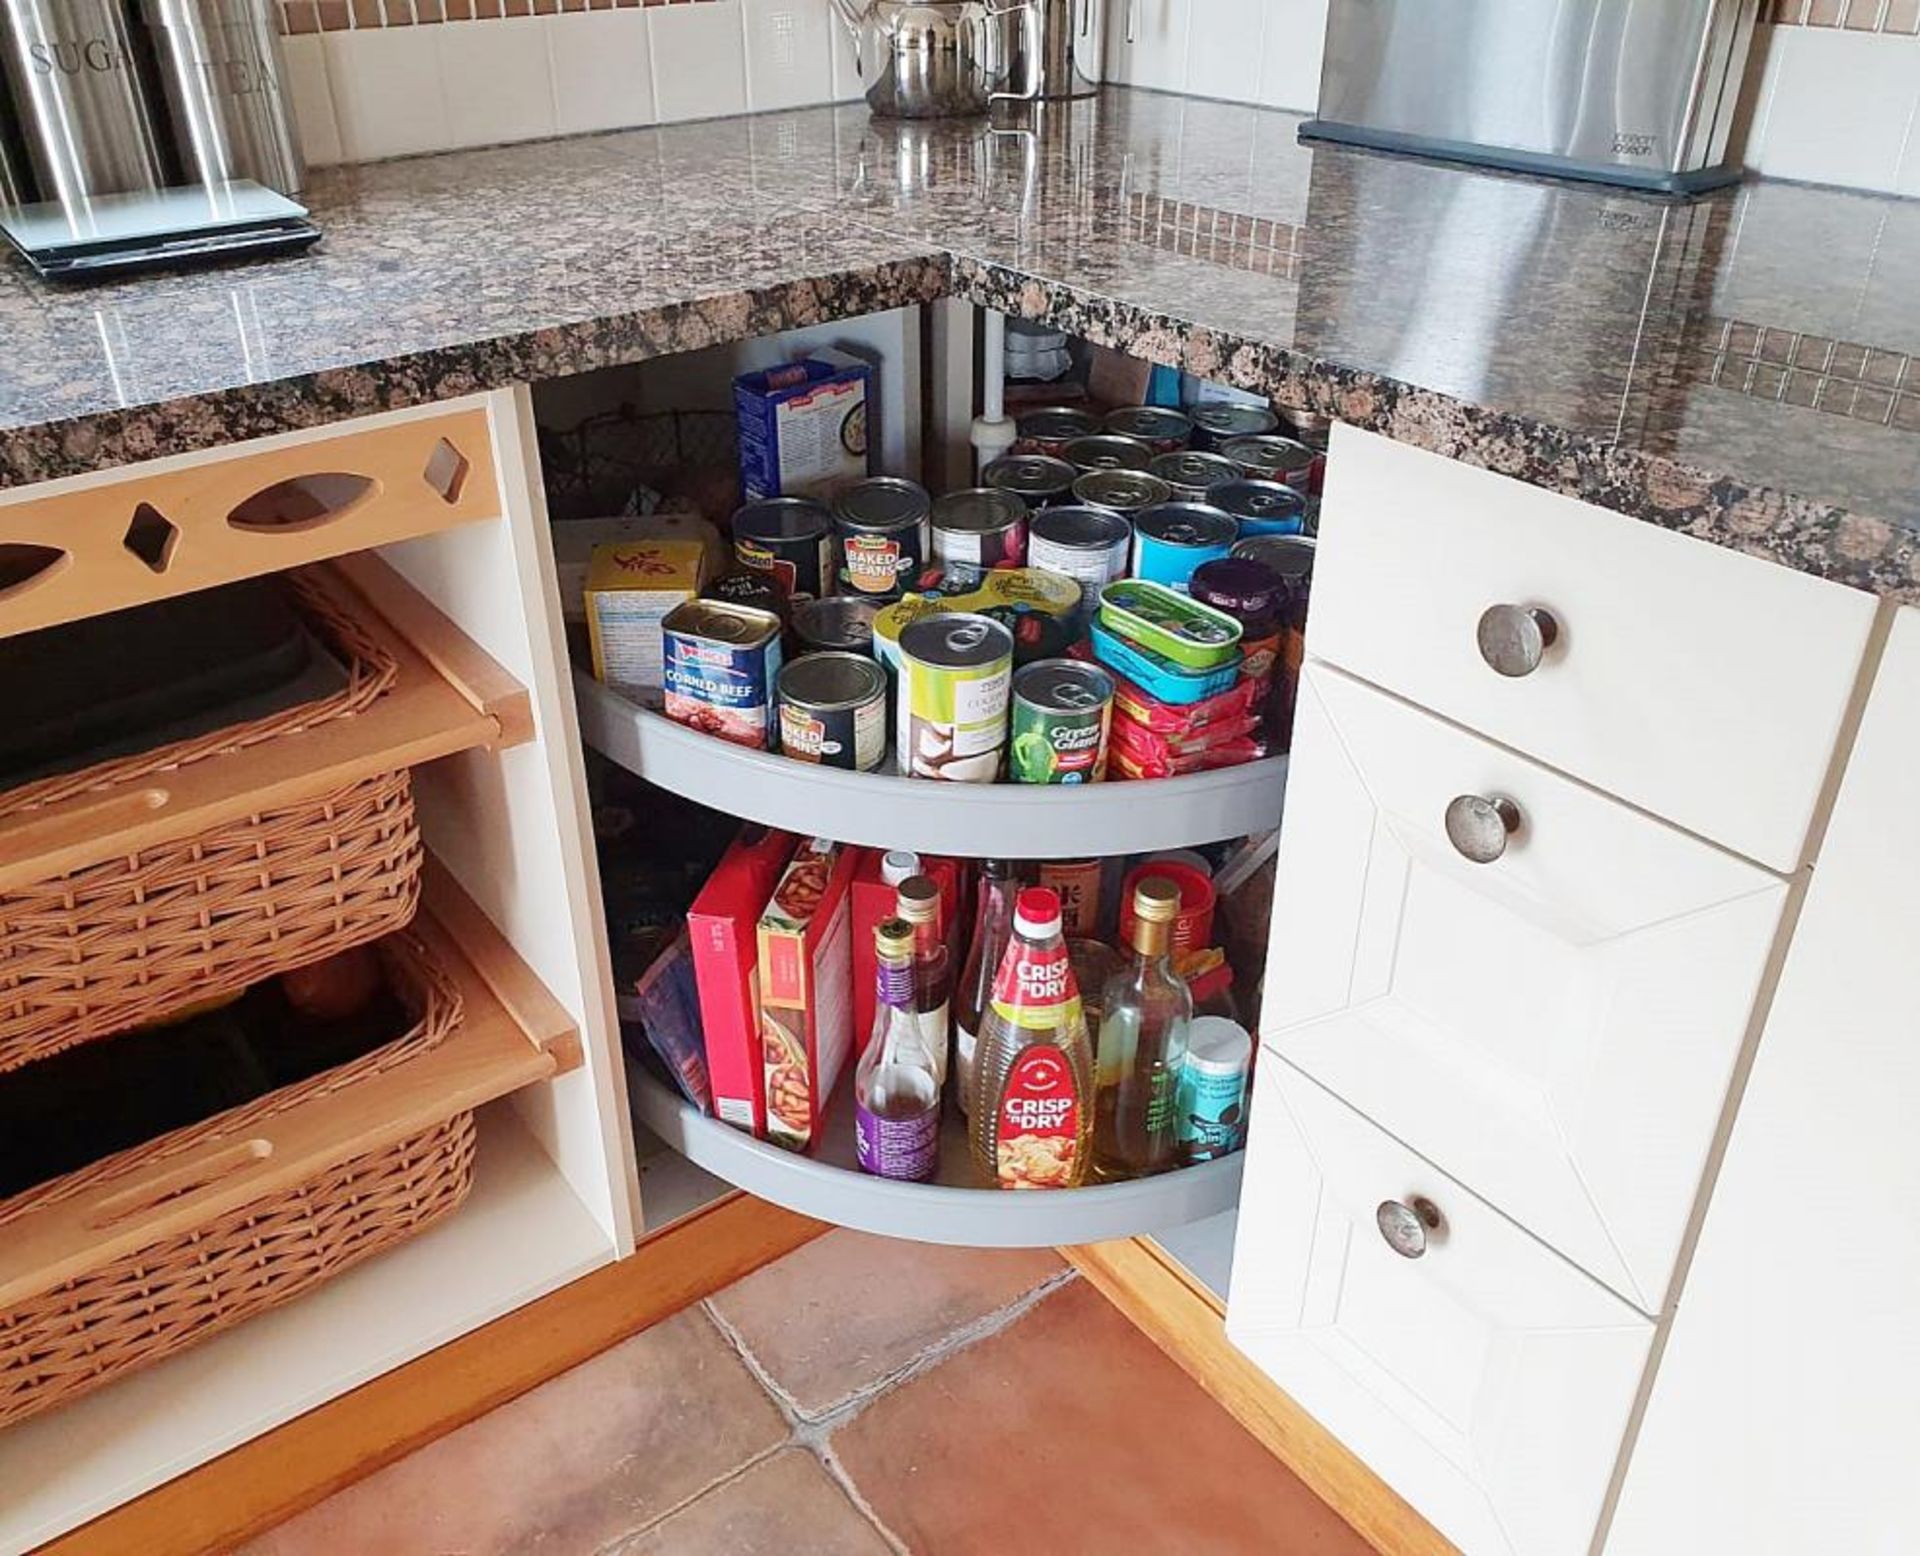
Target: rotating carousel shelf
x,y
955,1209
880,810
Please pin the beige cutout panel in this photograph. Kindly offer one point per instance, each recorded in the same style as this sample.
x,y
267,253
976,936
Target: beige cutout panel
x,y
412,477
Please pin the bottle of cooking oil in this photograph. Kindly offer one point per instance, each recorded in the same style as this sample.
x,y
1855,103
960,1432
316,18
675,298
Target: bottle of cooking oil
x,y
1146,1010
1031,1117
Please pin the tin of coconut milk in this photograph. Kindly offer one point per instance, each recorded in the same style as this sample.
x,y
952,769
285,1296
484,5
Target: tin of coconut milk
x,y
955,675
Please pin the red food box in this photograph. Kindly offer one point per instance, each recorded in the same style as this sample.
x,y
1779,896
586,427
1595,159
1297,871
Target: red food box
x,y
874,900
723,927
806,974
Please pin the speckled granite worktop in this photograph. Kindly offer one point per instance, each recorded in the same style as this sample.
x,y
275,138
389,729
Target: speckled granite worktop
x,y
1739,369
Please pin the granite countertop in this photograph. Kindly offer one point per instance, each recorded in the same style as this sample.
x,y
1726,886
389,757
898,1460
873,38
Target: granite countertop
x,y
1740,369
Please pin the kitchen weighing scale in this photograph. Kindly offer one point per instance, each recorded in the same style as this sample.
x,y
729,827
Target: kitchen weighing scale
x,y
194,224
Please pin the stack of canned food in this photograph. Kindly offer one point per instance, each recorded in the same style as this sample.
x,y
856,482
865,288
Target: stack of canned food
x,y
1122,595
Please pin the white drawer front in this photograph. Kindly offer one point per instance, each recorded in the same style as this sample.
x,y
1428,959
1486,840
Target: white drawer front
x,y
1556,1028
1487,1381
1706,686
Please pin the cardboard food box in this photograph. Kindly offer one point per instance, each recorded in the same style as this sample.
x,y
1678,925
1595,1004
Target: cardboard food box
x,y
632,585
874,900
803,426
576,540
723,924
806,974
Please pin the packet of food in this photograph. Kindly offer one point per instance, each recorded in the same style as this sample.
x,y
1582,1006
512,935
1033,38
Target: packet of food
x,y
806,977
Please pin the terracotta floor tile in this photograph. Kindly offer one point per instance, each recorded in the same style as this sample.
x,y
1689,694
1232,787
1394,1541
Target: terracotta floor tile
x,y
1073,1415
578,1462
786,1504
847,1309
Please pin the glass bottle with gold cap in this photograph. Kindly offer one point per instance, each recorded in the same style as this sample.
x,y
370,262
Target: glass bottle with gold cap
x,y
1146,1010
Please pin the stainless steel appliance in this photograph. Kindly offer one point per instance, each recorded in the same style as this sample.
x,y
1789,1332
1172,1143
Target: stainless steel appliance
x,y
1633,92
174,228
78,78
223,79
1072,41
939,61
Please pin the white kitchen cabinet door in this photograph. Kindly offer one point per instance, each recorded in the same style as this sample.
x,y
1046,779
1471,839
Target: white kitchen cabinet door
x,y
1486,1380
1556,1028
1705,686
1785,1416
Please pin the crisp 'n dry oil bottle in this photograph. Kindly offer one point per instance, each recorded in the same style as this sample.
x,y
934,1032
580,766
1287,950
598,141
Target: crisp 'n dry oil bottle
x,y
1031,1118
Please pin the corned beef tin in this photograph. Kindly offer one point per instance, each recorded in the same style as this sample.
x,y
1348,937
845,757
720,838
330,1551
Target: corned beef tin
x,y
721,663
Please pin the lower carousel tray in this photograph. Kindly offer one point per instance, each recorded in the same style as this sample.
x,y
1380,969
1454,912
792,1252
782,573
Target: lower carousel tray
x,y
954,1209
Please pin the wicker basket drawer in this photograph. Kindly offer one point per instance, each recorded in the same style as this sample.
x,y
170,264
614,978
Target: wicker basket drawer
x,y
141,1255
94,544
148,882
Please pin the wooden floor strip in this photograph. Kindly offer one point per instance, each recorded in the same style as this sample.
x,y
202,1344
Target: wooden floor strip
x,y
1186,1320
262,1483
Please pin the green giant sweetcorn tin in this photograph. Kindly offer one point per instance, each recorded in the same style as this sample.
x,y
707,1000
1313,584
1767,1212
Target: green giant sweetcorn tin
x,y
1062,712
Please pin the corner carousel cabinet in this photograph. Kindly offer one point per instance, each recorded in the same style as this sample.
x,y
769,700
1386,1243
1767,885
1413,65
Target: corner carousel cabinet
x,y
434,518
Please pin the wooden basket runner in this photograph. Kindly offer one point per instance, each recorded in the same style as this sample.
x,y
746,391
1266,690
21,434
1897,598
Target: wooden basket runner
x,y
137,1309
130,939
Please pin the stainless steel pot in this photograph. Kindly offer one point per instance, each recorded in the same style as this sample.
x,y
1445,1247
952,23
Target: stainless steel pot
x,y
943,60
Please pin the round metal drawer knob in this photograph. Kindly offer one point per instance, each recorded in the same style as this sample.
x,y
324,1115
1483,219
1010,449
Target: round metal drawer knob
x,y
1514,639
1407,1227
1479,825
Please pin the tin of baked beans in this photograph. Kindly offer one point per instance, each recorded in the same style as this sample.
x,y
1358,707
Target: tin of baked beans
x,y
1162,429
1088,545
881,524
1123,491
1192,475
1062,711
1222,421
977,529
1262,507
790,538
955,673
841,622
1170,541
1047,429
1107,451
1039,480
833,710
720,663
1271,459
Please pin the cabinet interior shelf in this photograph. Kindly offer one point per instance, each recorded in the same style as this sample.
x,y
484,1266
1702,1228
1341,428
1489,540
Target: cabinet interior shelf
x,y
954,1209
1005,820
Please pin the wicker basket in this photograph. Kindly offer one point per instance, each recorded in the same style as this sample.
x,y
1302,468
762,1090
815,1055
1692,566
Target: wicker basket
x,y
136,1309
128,940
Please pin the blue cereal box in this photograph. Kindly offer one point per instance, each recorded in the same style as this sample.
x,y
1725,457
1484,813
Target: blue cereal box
x,y
803,426
722,661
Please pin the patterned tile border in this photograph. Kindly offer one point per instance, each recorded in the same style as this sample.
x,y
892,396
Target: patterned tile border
x,y
1229,238
1895,16
308,16
1864,383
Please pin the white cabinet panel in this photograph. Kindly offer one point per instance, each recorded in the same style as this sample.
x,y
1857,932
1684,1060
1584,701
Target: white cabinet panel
x,y
1487,1381
1706,686
1556,1028
1785,1417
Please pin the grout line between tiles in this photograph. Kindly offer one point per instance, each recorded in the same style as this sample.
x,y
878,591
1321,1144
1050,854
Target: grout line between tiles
x,y
622,1542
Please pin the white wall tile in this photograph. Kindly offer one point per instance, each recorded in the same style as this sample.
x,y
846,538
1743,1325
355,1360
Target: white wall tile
x,y
602,70
311,98
1296,39
1156,56
1224,48
789,53
1836,107
699,63
386,92
497,79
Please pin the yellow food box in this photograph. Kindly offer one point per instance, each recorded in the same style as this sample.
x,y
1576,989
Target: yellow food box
x,y
632,585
